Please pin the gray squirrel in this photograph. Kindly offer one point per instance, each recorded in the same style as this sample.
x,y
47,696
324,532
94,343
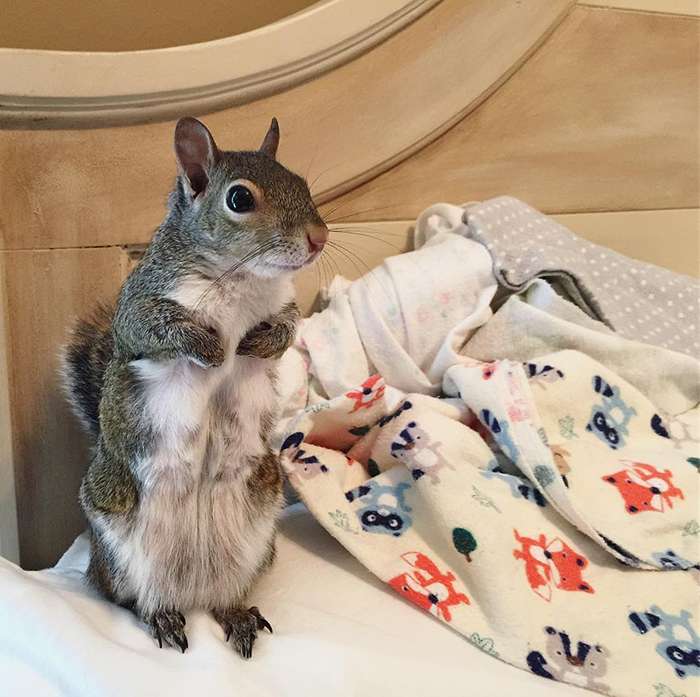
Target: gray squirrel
x,y
177,385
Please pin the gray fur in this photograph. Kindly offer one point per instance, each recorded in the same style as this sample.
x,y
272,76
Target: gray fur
x,y
177,383
271,340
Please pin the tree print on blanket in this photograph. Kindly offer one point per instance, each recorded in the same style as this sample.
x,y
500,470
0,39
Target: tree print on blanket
x,y
551,564
483,500
464,542
567,426
485,643
428,587
341,520
644,488
663,690
544,475
692,527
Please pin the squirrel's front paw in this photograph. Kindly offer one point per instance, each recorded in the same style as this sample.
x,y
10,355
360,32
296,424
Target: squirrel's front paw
x,y
241,627
167,626
266,340
205,348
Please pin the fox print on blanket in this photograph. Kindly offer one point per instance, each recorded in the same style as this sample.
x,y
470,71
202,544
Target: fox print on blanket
x,y
428,587
370,392
644,488
551,564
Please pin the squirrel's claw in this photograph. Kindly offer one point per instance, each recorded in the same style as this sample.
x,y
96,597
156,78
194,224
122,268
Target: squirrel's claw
x,y
167,627
261,621
241,628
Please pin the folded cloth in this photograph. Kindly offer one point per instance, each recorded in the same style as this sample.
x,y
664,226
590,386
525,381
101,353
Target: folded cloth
x,y
638,300
409,317
539,321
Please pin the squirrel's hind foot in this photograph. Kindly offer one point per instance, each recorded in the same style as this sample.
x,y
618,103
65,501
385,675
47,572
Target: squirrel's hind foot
x,y
241,627
167,627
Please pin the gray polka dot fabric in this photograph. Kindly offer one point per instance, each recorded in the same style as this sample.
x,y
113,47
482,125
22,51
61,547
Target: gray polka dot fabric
x,y
640,301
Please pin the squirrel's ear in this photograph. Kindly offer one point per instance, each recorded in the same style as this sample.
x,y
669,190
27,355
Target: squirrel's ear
x,y
271,140
196,152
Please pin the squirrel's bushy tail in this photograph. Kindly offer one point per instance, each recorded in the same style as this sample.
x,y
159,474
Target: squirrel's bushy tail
x,y
84,360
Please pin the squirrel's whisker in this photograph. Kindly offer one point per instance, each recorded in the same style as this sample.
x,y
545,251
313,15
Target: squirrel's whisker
x,y
231,270
352,256
365,228
368,236
355,213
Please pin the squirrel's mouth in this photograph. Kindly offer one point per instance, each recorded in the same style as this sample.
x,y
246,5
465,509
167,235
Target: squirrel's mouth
x,y
292,266
287,267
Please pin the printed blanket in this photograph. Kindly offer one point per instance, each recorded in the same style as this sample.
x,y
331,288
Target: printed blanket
x,y
557,571
546,508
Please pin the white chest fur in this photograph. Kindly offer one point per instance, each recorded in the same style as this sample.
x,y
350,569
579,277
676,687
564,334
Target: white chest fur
x,y
192,408
194,520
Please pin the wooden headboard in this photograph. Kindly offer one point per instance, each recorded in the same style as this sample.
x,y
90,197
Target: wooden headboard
x,y
586,112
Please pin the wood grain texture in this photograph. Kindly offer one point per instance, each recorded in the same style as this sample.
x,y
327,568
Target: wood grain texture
x,y
675,7
132,25
101,89
45,290
605,116
669,238
9,544
66,188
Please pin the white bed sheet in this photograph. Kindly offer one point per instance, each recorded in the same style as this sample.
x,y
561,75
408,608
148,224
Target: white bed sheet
x,y
338,631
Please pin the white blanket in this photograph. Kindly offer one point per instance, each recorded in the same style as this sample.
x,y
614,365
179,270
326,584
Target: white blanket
x,y
338,631
407,319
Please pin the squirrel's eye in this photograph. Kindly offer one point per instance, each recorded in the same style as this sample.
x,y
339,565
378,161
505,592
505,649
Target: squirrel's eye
x,y
240,199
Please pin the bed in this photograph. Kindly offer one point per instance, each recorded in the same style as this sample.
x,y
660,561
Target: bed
x,y
619,168
370,641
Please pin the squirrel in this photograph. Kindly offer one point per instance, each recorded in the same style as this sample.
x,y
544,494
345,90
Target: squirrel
x,y
176,383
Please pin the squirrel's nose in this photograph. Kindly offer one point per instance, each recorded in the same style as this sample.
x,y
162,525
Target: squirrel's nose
x,y
317,236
